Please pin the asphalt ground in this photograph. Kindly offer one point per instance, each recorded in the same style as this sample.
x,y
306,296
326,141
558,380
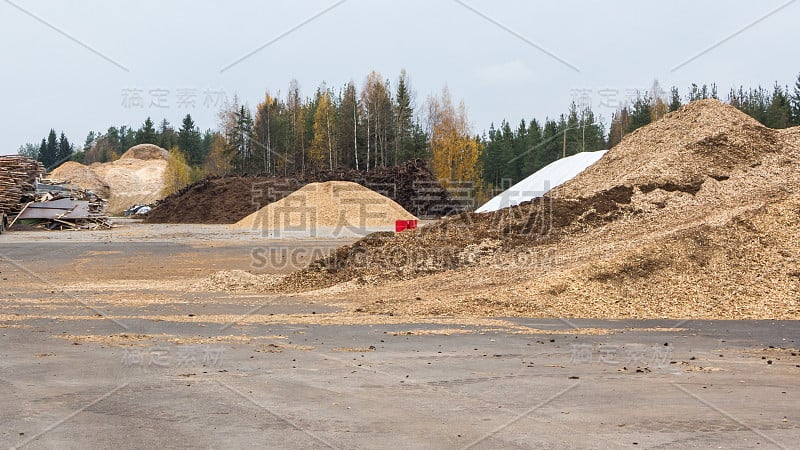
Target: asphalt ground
x,y
152,366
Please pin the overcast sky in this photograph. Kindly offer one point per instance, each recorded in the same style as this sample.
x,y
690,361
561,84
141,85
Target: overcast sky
x,y
85,65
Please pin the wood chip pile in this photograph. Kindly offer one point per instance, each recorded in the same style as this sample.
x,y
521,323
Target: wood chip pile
x,y
17,176
227,200
694,216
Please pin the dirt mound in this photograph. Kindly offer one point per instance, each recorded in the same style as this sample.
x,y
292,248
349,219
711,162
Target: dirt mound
x,y
145,152
222,200
82,176
229,199
333,204
693,216
137,177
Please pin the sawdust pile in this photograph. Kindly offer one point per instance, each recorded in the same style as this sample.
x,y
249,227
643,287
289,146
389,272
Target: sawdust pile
x,y
695,216
83,177
137,177
333,204
145,152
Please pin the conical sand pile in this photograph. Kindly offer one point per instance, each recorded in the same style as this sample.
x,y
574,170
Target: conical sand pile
x,y
338,205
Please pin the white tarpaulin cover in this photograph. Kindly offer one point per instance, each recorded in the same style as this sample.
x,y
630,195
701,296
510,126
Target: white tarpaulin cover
x,y
546,178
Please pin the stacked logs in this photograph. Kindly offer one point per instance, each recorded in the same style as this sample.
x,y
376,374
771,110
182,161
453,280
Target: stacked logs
x,y
17,176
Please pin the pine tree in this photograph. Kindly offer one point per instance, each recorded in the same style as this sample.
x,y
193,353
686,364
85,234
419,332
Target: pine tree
x,y
166,136
592,132
572,132
404,116
239,137
42,153
675,100
779,111
126,139
49,154
534,142
91,139
552,143
796,103
641,113
147,133
65,149
190,141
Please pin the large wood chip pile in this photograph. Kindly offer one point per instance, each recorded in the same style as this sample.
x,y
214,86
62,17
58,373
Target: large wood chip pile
x,y
696,215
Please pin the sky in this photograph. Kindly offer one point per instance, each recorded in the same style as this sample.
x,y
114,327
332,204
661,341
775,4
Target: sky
x,y
86,65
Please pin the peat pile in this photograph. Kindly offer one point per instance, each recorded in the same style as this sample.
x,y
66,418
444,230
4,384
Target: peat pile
x,y
221,200
227,200
696,215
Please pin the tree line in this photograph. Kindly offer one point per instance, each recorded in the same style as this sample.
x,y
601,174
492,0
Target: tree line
x,y
52,151
110,145
379,123
334,128
775,108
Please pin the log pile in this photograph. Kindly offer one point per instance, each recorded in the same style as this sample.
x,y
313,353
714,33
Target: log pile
x,y
17,176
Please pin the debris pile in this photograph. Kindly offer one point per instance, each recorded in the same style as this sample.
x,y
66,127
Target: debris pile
x,y
58,206
137,177
340,207
229,199
694,216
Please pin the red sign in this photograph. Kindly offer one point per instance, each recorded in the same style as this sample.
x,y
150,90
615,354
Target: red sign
x,y
402,225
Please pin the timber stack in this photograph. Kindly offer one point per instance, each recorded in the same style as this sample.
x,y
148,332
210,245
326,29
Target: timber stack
x,y
18,175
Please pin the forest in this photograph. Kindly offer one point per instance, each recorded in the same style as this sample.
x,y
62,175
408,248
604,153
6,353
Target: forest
x,y
381,123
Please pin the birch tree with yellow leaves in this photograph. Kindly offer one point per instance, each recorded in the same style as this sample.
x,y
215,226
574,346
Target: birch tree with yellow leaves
x,y
454,152
321,151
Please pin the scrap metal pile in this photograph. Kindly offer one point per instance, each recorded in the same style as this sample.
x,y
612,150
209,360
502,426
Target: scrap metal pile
x,y
29,199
